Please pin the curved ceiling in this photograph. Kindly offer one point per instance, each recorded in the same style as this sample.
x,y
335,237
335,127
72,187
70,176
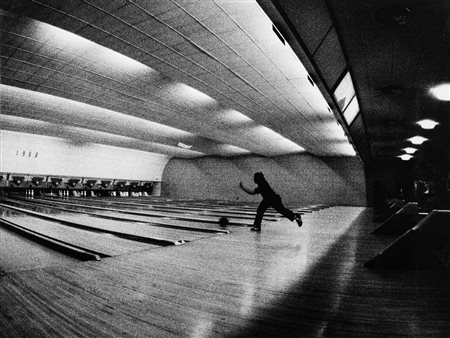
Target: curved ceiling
x,y
180,78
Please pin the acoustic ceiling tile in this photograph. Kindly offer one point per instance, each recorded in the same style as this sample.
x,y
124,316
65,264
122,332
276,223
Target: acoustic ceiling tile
x,y
75,60
14,74
151,26
8,77
114,43
32,45
176,17
208,62
35,59
46,90
51,55
131,14
63,6
87,13
106,5
92,33
110,24
17,64
155,7
193,30
14,53
40,76
236,38
210,16
168,38
213,80
9,39
187,48
207,41
70,24
20,8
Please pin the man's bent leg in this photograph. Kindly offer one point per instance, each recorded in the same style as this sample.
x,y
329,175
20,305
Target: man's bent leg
x,y
260,213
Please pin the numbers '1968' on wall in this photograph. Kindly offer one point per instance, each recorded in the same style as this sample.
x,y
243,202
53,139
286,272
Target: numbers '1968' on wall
x,y
27,153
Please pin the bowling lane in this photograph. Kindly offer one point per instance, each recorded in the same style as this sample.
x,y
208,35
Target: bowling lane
x,y
156,215
244,208
102,243
172,211
202,225
201,209
20,253
132,228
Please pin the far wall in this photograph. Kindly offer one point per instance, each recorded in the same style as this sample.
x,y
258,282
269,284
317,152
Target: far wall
x,y
299,179
24,153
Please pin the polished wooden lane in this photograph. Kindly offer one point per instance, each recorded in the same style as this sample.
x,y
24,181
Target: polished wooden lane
x,y
193,206
212,226
20,253
283,282
133,230
97,242
144,211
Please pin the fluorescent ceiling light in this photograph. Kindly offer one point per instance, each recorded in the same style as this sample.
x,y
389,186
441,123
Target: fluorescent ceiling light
x,y
243,124
275,139
233,150
334,131
417,140
233,117
405,157
188,93
410,150
70,111
122,62
427,124
441,92
345,149
57,38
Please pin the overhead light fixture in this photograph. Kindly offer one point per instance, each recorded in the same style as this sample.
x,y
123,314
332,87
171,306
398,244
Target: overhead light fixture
x,y
186,92
405,157
417,140
427,124
410,150
184,146
441,92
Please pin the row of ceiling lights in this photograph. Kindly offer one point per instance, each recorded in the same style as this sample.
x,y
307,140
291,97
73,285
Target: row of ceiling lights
x,y
441,92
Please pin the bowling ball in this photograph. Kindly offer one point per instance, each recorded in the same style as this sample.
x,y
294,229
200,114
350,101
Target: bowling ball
x,y
223,221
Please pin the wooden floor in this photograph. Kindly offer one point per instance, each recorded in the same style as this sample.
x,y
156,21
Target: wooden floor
x,y
283,282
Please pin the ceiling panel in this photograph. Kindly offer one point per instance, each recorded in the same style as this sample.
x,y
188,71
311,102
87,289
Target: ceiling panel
x,y
234,70
330,58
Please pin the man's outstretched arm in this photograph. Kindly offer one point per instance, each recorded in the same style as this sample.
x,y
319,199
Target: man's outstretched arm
x,y
248,191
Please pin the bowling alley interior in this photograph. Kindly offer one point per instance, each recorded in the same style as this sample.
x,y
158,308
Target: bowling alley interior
x,y
224,168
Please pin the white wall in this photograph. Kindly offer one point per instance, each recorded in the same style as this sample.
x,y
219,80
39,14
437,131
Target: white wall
x,y
43,155
300,179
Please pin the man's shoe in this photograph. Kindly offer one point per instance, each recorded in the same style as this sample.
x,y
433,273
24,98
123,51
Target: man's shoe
x,y
298,219
255,229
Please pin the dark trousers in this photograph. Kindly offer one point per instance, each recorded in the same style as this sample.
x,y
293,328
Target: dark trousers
x,y
276,203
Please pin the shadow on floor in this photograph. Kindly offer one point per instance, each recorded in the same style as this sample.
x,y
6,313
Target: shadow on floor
x,y
342,298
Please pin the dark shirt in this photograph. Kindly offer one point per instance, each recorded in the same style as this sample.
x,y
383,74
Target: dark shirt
x,y
265,190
